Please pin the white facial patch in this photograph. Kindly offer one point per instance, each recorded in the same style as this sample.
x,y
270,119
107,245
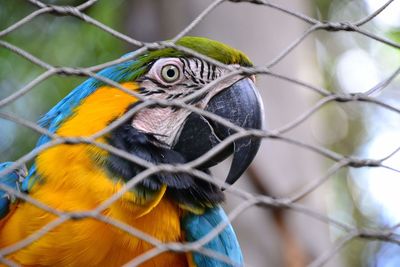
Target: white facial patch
x,y
164,123
194,74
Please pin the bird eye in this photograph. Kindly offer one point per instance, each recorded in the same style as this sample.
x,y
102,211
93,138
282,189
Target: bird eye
x,y
170,73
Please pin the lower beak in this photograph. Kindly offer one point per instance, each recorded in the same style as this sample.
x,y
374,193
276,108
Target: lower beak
x,y
240,104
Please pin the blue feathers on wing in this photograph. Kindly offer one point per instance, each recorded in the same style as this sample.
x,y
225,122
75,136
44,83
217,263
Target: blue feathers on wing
x,y
12,180
225,243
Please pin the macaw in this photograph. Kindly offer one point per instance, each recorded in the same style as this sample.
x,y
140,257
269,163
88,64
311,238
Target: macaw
x,y
171,207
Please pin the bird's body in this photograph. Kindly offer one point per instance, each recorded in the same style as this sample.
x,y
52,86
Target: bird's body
x,y
70,241
90,242
169,207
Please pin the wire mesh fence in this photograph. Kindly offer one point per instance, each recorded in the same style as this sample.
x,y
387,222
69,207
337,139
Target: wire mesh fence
x,y
290,202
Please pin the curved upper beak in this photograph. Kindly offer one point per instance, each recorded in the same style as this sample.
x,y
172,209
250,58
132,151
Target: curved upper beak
x,y
240,104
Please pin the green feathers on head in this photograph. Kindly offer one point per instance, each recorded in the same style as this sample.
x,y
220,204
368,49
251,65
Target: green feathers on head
x,y
210,48
215,50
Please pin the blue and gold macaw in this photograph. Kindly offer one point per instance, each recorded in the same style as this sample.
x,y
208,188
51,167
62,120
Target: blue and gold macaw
x,y
172,207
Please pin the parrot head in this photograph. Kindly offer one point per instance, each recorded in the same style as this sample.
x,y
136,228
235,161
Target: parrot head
x,y
163,134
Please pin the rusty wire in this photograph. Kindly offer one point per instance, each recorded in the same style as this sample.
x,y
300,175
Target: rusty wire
x,y
249,200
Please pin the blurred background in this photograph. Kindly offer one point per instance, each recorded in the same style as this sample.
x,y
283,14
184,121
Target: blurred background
x,y
341,62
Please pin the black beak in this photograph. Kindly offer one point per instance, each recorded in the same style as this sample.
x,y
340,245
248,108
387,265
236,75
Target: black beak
x,y
240,104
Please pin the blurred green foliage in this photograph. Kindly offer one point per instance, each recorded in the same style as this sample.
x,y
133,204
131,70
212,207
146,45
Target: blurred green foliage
x,y
344,207
59,41
347,203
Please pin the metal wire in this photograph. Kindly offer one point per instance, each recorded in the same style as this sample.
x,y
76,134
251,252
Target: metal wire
x,y
249,200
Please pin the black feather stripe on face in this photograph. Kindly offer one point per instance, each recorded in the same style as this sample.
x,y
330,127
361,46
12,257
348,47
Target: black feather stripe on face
x,y
182,188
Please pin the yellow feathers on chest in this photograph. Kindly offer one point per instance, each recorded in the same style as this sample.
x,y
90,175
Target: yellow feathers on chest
x,y
71,181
